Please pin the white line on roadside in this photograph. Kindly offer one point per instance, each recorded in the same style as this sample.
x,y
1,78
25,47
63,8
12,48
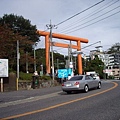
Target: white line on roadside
x,y
30,99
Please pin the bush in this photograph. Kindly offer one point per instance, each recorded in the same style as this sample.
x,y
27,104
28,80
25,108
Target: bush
x,y
25,76
110,77
44,77
28,76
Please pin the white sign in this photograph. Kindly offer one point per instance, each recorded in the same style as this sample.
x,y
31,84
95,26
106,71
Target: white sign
x,y
3,67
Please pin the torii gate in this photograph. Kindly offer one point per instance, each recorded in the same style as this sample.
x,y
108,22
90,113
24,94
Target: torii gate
x,y
66,37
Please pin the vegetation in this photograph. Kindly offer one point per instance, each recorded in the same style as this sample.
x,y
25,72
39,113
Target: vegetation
x,y
28,77
13,28
114,49
94,65
25,76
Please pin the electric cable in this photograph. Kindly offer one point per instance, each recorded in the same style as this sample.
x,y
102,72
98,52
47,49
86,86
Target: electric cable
x,y
92,19
95,22
79,13
90,15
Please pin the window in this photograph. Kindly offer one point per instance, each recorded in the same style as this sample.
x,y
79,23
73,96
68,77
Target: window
x,y
87,77
76,78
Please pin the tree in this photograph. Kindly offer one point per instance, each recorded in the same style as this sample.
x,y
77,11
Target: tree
x,y
21,26
13,28
8,43
94,65
114,49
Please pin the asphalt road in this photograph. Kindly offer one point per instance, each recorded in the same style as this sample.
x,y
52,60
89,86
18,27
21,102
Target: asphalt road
x,y
53,104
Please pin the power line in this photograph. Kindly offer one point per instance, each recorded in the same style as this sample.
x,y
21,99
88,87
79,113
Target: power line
x,y
80,12
95,22
107,5
91,44
91,19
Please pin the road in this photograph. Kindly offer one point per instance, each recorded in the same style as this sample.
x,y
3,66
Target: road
x,y
53,104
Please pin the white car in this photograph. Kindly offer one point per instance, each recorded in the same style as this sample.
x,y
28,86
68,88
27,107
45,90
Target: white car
x,y
81,82
95,76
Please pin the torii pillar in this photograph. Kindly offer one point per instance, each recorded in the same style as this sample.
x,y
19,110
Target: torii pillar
x,y
65,37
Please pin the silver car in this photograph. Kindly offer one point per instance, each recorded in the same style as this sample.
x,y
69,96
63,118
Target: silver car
x,y
81,82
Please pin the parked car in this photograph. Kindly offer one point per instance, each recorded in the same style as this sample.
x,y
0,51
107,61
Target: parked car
x,y
81,82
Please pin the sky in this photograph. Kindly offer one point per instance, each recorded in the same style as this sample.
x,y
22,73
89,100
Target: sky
x,y
98,23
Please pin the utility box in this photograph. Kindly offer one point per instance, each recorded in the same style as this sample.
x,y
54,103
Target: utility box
x,y
35,81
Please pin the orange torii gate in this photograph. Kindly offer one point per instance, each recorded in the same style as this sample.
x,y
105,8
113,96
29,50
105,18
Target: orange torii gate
x,y
66,37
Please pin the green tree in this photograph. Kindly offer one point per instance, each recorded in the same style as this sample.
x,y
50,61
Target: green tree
x,y
94,65
8,43
114,49
15,28
21,26
40,59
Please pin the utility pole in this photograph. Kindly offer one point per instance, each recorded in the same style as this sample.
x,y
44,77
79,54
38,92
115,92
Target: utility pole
x,y
18,57
34,59
50,26
27,62
57,63
69,53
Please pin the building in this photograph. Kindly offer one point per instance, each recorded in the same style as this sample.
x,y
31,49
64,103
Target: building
x,y
111,61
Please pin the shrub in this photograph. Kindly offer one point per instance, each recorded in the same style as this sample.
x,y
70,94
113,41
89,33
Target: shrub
x,y
110,77
28,76
44,77
25,76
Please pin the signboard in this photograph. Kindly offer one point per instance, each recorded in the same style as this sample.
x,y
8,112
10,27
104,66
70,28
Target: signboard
x,y
3,67
63,73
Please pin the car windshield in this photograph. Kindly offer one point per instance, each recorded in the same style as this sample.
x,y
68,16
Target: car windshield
x,y
76,78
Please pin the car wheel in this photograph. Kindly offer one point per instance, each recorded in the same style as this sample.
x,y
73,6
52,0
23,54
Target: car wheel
x,y
69,92
99,85
86,88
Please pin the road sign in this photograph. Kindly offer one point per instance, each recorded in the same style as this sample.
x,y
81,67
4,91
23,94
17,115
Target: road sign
x,y
3,67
